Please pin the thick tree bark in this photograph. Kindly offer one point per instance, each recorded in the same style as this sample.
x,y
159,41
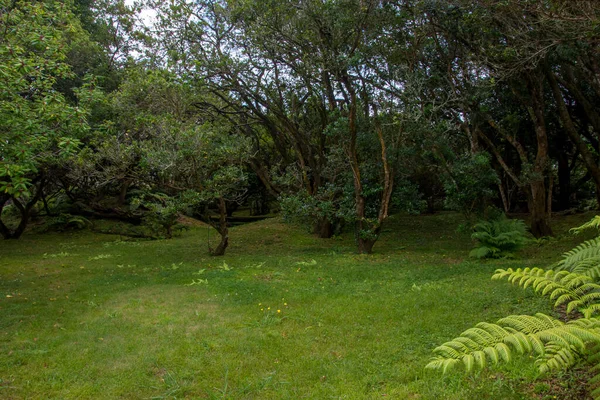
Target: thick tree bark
x,y
540,216
504,197
535,190
365,246
367,232
540,219
123,192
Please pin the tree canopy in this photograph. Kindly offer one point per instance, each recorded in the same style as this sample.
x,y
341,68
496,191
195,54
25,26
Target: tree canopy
x,y
336,112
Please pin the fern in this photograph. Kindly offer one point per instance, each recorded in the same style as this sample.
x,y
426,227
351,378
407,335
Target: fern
x,y
557,357
577,291
594,223
582,257
498,238
573,282
66,221
558,345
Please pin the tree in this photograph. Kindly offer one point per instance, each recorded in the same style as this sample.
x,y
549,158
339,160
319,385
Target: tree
x,y
205,164
41,130
484,52
317,77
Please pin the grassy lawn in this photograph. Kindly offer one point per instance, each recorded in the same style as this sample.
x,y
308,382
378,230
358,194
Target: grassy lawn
x,y
283,315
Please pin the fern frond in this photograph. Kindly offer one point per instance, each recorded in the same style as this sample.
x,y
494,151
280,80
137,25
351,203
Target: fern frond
x,y
521,334
577,291
585,252
594,223
593,358
590,268
557,357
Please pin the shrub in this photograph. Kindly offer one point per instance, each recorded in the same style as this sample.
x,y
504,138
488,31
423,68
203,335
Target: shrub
x,y
499,238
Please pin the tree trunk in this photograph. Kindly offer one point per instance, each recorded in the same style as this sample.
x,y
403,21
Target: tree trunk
x,y
430,204
24,210
4,231
25,213
222,229
540,219
365,246
123,193
504,197
324,228
220,249
569,126
564,182
540,216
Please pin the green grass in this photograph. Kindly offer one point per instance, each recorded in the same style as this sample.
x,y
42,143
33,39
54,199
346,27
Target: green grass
x,y
283,315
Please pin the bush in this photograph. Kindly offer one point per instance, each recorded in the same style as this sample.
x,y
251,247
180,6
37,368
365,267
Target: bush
x,y
499,238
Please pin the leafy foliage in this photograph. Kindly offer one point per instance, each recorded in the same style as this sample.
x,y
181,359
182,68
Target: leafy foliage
x,y
65,221
555,344
594,223
498,238
469,183
41,130
520,334
577,291
162,213
584,257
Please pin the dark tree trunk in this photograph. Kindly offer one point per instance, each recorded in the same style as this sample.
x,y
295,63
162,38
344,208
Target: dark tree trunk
x,y
505,202
4,231
324,228
123,192
538,207
569,126
430,205
564,182
365,246
540,218
222,229
24,210
25,214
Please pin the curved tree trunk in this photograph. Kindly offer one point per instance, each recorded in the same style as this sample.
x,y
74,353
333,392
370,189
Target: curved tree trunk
x,y
24,211
222,228
4,231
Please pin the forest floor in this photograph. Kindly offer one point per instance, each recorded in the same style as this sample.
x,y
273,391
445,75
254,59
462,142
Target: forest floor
x,y
283,315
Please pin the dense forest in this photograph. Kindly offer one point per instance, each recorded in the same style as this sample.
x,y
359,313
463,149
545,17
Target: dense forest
x,y
335,113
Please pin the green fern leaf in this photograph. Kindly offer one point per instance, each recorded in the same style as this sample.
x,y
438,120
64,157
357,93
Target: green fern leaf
x,y
521,334
575,290
575,258
594,223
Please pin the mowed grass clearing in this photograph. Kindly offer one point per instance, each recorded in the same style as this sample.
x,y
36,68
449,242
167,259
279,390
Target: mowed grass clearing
x,y
283,315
